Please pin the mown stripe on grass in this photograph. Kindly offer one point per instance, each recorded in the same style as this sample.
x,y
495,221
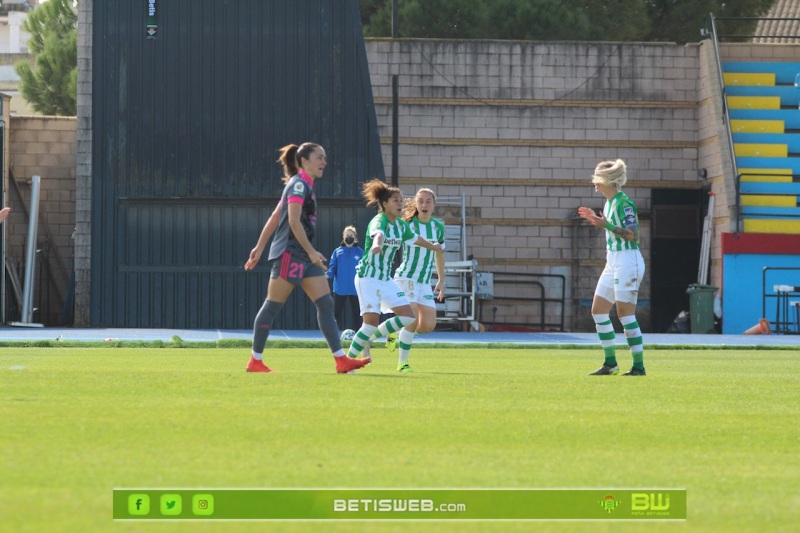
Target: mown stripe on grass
x,y
246,343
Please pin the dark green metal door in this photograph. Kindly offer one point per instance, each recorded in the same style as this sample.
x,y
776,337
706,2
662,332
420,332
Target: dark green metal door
x,y
189,104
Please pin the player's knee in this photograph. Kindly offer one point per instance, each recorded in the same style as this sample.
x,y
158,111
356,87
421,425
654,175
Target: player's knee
x,y
324,303
605,293
424,325
628,297
406,320
268,312
416,327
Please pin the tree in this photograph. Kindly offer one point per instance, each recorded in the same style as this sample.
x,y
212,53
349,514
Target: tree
x,y
576,20
428,18
615,20
540,20
474,19
680,21
51,85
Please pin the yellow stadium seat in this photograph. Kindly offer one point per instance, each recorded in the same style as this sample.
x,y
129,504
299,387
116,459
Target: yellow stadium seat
x,y
757,126
762,200
761,150
758,225
754,102
749,78
774,175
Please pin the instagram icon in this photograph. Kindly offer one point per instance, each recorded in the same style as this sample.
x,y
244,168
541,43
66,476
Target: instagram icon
x,y
203,504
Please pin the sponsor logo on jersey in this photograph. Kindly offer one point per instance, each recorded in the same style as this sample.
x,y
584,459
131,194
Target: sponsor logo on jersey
x,y
630,217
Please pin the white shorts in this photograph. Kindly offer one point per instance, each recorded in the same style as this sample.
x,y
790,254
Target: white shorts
x,y
622,276
374,295
417,293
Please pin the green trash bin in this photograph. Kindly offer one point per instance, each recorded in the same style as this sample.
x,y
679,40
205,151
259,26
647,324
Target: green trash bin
x,y
701,307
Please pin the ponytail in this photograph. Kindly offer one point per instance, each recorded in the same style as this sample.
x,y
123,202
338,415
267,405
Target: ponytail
x,y
288,160
377,192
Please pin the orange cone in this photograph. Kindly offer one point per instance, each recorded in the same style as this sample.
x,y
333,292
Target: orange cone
x,y
762,328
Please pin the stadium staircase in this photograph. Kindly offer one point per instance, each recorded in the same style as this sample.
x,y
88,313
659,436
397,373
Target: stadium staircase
x,y
761,116
763,100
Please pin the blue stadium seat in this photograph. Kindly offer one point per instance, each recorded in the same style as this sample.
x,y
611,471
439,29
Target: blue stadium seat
x,y
785,73
790,96
770,204
792,140
790,117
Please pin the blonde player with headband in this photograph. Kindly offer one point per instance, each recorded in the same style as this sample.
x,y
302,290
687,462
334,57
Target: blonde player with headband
x,y
619,283
413,275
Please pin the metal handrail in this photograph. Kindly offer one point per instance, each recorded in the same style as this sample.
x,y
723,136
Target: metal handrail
x,y
525,279
737,211
750,36
725,116
782,322
739,208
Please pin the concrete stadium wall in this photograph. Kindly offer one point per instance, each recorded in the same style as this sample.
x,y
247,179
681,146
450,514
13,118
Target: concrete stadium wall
x,y
515,126
518,127
714,154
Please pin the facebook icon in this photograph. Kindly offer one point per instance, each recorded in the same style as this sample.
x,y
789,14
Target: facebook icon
x,y
138,504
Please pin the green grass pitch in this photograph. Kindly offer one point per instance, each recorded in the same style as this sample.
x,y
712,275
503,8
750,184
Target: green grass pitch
x,y
77,422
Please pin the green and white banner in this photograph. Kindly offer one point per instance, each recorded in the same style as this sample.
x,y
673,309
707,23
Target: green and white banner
x,y
152,19
400,504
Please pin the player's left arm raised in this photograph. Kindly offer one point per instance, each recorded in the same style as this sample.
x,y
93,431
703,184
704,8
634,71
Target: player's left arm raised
x,y
435,246
629,232
630,223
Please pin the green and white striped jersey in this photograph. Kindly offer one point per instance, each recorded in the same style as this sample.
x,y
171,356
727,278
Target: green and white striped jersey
x,y
418,262
379,266
621,212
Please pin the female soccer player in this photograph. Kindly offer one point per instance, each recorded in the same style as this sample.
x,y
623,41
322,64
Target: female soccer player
x,y
295,262
386,232
619,283
413,276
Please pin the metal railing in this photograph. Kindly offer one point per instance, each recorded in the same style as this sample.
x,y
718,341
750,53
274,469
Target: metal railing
x,y
749,36
710,30
780,213
783,289
520,283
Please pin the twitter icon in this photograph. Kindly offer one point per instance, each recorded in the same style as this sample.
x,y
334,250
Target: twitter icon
x,y
171,504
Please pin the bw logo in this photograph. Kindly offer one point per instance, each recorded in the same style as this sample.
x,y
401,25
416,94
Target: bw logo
x,y
643,501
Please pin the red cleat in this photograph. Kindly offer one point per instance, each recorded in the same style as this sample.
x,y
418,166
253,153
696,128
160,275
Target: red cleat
x,y
256,365
345,364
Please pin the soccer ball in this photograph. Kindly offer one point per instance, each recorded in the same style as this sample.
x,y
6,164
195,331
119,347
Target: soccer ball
x,y
348,335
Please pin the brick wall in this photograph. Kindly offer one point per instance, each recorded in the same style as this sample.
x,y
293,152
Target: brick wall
x,y
83,203
761,52
45,147
713,156
518,128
